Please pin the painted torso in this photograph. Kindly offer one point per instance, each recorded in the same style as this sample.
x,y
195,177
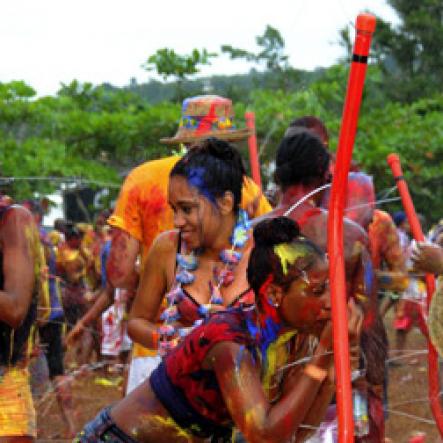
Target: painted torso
x,y
14,343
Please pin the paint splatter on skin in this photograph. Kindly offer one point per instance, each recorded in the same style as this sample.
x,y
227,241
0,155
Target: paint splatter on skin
x,y
196,179
120,241
239,358
166,424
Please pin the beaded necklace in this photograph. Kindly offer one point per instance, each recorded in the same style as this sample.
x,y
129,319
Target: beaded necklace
x,y
186,264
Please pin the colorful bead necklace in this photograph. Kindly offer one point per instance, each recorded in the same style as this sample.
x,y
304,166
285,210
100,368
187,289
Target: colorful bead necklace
x,y
186,264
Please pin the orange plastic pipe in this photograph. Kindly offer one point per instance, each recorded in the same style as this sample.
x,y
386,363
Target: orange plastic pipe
x,y
434,383
252,143
365,26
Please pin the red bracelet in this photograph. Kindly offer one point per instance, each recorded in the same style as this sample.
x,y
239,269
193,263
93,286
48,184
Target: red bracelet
x,y
155,338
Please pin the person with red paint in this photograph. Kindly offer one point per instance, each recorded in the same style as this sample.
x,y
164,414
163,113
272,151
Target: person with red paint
x,y
21,275
411,305
302,169
214,378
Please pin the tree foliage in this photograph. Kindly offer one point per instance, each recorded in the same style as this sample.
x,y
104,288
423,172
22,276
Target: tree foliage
x,y
167,63
410,54
99,132
271,51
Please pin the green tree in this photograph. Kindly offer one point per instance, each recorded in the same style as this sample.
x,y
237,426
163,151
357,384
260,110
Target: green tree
x,y
271,51
410,54
167,63
270,54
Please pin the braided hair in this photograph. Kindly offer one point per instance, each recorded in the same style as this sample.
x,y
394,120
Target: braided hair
x,y
301,159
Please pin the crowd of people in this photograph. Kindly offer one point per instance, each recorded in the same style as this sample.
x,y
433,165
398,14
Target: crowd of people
x,y
217,301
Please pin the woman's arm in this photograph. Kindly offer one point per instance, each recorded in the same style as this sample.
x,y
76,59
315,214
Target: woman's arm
x,y
151,290
120,268
239,381
104,299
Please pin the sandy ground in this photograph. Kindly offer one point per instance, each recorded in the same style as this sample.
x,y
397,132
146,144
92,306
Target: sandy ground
x,y
408,403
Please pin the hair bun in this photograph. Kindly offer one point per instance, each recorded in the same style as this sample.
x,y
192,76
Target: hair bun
x,y
273,231
222,150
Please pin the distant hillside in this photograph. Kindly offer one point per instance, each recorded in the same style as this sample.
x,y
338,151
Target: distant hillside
x,y
236,87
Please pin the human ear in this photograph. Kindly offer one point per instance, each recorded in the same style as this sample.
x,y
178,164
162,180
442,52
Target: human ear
x,y
274,295
225,203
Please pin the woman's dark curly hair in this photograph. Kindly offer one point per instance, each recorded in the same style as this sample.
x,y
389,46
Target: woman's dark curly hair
x,y
264,261
213,166
301,159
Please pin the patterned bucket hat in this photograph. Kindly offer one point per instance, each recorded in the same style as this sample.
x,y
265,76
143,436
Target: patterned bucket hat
x,y
207,116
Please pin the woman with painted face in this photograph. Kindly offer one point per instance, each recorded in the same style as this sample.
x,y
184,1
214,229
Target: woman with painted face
x,y
302,173
228,371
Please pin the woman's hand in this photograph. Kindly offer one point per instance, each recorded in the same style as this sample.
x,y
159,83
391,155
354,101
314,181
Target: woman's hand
x,y
75,333
427,258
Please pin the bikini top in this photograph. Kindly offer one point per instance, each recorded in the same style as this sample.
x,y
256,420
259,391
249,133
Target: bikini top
x,y
188,307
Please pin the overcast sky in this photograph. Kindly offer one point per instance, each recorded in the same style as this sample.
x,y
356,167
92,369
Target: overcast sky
x,y
45,42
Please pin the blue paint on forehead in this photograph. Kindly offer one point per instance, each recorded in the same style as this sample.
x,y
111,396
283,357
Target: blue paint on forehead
x,y
197,180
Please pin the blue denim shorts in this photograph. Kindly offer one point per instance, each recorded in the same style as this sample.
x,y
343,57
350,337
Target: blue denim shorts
x,y
103,429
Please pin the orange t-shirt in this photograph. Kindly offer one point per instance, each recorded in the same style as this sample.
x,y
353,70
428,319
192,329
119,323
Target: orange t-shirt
x,y
143,212
142,208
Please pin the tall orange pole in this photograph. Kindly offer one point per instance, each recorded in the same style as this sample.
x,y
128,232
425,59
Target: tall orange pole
x,y
434,383
252,143
365,26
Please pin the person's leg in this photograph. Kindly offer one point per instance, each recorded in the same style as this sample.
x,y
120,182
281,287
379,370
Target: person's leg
x,y
386,303
102,429
17,418
51,339
402,325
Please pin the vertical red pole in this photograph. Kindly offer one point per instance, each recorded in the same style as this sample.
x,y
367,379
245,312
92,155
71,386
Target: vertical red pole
x,y
365,26
417,233
252,143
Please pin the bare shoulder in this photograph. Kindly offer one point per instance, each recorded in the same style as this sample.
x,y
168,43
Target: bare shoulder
x,y
166,243
17,227
16,216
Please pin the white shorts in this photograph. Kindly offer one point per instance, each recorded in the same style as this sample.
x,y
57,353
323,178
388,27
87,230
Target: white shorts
x,y
140,369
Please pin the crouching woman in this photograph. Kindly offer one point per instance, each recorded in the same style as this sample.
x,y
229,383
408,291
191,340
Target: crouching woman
x,y
219,376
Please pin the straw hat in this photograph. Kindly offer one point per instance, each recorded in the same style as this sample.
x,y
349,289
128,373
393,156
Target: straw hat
x,y
206,116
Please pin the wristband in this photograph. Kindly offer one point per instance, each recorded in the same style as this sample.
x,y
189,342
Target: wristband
x,y
155,336
316,373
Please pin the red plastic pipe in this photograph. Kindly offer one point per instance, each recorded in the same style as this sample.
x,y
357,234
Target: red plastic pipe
x,y
434,383
365,26
252,143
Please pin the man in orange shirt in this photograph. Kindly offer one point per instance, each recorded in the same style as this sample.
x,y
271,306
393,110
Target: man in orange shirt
x,y
142,210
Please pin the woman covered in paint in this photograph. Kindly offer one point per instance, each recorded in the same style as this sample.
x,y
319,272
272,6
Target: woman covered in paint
x,y
201,266
302,170
213,379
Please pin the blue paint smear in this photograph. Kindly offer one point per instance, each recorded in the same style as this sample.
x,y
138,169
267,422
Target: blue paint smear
x,y
196,179
368,277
